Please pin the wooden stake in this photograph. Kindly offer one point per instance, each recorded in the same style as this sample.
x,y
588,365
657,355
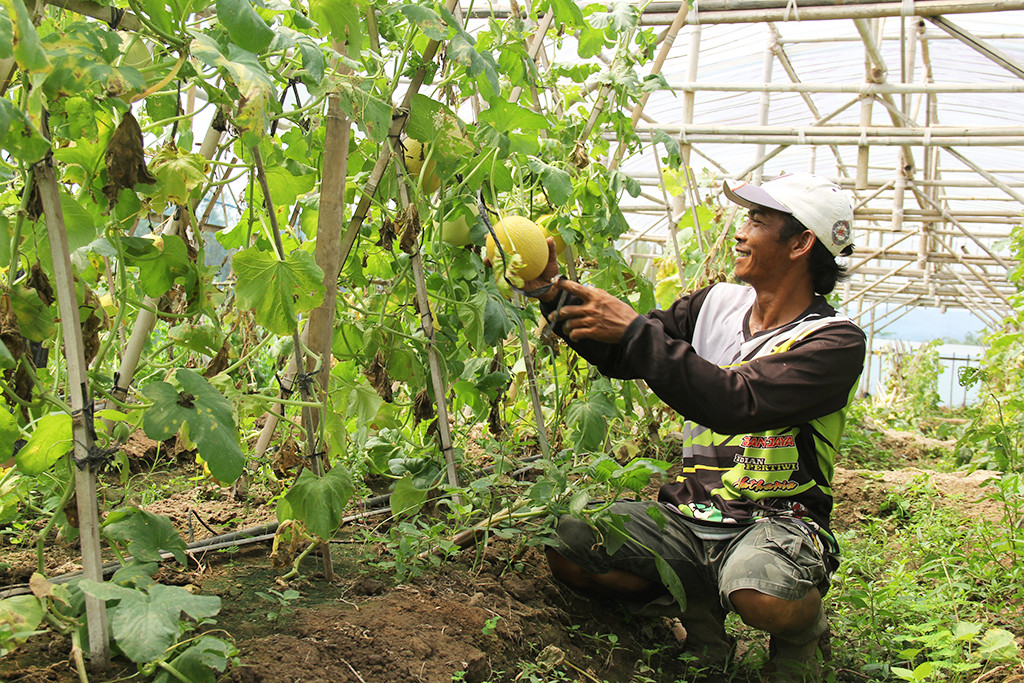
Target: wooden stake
x,y
81,409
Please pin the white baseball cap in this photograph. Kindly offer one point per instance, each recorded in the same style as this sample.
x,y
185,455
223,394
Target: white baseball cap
x,y
819,204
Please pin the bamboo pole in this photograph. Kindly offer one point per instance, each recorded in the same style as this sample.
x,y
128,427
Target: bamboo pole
x,y
320,328
949,217
767,62
865,89
659,62
787,66
798,137
309,422
113,16
922,8
531,377
81,409
433,361
979,46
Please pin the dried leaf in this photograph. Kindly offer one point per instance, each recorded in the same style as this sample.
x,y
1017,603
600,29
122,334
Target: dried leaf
x,y
38,281
287,459
580,159
423,407
97,321
387,234
409,227
379,379
126,160
220,361
34,206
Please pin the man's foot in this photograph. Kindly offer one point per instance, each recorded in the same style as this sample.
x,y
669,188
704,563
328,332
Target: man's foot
x,y
793,661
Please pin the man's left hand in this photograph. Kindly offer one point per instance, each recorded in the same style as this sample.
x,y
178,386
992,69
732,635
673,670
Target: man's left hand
x,y
601,317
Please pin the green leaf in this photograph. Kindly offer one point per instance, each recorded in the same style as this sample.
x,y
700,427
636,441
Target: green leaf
x,y
161,261
363,403
6,36
145,624
313,61
246,28
342,20
999,645
278,290
407,499
507,117
472,314
6,359
671,580
51,439
28,50
199,662
79,223
22,615
208,415
145,533
620,17
18,136
589,421
557,183
426,20
372,114
462,51
5,236
567,12
9,432
320,501
620,181
497,322
675,157
179,173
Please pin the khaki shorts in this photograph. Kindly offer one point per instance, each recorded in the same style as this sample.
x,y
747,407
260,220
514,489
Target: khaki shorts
x,y
778,556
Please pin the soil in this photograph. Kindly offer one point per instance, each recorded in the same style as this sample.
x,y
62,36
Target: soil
x,y
490,615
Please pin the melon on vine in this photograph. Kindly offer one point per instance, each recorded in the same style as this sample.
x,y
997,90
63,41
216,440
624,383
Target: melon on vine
x,y
525,246
416,153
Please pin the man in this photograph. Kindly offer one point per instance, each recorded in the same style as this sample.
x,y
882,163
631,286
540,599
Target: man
x,y
762,375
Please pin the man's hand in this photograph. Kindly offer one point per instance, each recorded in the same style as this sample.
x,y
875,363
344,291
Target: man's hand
x,y
600,317
549,273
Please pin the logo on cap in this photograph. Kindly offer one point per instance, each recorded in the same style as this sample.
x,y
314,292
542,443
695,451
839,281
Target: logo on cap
x,y
841,232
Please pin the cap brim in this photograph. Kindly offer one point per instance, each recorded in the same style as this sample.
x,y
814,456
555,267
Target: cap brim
x,y
745,194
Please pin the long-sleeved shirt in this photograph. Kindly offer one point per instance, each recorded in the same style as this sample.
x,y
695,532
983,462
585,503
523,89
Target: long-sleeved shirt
x,y
763,413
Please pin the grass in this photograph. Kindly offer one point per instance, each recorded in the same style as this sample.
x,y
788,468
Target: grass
x,y
919,598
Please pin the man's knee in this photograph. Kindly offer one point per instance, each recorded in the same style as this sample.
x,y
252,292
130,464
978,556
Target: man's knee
x,y
776,615
615,581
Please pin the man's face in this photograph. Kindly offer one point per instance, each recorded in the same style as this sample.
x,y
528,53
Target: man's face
x,y
760,255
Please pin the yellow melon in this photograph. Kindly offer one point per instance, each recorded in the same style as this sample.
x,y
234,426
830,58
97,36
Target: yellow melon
x,y
519,236
415,156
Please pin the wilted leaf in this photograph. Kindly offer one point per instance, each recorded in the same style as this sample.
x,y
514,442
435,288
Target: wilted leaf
x,y
320,501
378,377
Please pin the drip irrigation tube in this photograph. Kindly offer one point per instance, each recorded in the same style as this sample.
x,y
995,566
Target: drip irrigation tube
x,y
257,534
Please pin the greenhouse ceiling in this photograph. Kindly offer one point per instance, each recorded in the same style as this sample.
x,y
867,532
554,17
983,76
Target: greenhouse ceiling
x,y
916,107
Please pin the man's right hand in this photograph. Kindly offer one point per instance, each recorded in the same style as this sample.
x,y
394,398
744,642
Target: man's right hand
x,y
546,277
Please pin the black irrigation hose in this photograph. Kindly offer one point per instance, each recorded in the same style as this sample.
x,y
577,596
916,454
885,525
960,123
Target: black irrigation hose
x,y
256,534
